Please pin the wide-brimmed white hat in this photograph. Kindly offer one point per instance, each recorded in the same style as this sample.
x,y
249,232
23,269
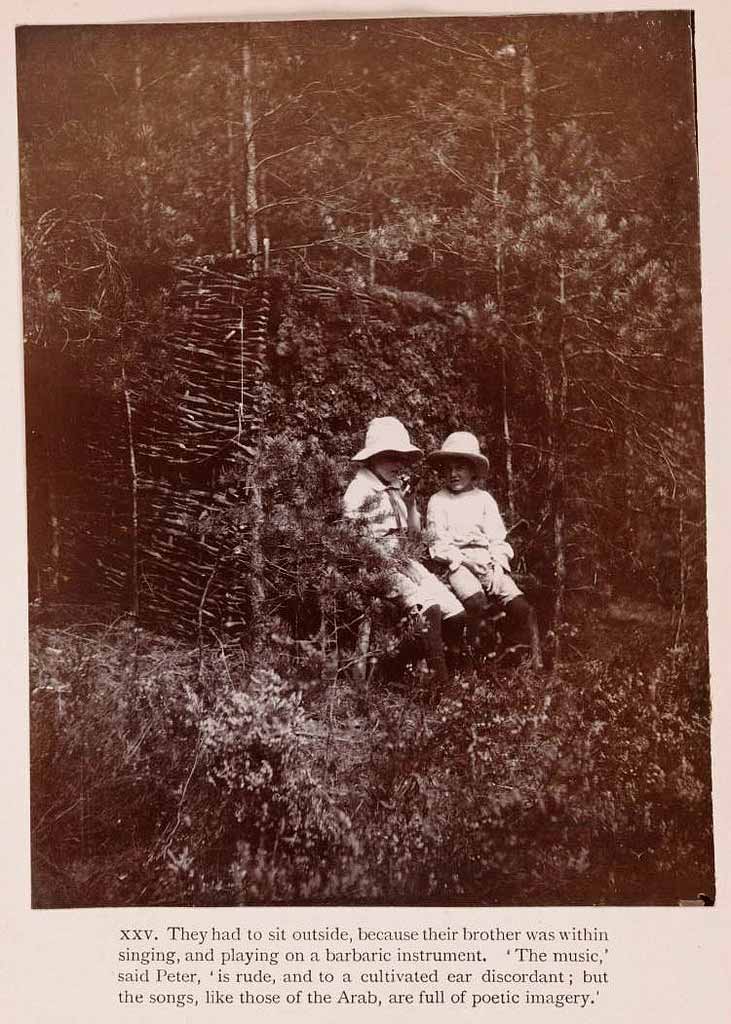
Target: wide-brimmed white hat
x,y
386,434
463,445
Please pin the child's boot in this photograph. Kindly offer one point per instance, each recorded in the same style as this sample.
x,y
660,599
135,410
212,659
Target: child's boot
x,y
480,628
524,625
435,649
453,632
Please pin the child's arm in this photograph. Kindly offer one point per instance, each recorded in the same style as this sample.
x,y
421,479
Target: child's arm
x,y
494,528
492,523
413,516
501,552
441,546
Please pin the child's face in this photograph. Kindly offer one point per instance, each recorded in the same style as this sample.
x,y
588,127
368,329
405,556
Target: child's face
x,y
389,466
459,475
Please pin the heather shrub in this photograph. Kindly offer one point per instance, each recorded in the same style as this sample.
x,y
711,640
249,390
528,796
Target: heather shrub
x,y
152,762
166,774
521,791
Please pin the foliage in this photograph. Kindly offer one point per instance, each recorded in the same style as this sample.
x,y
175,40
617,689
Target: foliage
x,y
334,369
151,763
319,572
165,775
565,764
519,170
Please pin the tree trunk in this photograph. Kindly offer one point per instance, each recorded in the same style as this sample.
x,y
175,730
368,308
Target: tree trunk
x,y
681,575
256,568
500,301
264,224
507,439
372,257
254,333
143,130
232,163
528,84
134,492
618,521
55,538
250,189
559,444
497,157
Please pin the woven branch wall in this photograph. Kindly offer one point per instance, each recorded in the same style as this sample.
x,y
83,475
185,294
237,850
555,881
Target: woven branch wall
x,y
209,419
205,418
126,497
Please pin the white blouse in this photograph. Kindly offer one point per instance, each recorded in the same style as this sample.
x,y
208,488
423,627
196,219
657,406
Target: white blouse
x,y
470,519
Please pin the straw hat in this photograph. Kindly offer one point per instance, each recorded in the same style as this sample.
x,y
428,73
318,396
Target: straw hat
x,y
463,445
386,434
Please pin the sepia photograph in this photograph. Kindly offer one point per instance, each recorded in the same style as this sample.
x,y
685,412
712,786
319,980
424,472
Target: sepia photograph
x,y
364,425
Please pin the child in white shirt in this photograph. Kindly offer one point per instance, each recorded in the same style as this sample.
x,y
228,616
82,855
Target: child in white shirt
x,y
467,535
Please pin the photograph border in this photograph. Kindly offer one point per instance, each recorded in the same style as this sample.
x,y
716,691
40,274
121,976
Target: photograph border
x,y
684,958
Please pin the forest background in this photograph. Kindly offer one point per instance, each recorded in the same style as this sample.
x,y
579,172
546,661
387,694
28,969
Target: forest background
x,y
515,203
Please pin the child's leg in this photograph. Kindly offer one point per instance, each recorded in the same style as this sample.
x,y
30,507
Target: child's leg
x,y
477,620
524,624
443,646
453,632
445,620
435,645
442,612
469,590
522,621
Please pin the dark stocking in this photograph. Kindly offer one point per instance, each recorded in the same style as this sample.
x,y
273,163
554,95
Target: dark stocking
x,y
524,627
477,620
435,645
453,634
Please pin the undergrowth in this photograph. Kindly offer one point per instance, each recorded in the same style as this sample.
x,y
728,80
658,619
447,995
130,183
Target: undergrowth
x,y
167,774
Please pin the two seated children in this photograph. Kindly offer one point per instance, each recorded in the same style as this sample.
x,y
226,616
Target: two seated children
x,y
465,530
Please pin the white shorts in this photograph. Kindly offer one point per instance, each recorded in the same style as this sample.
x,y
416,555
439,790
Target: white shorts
x,y
494,581
416,587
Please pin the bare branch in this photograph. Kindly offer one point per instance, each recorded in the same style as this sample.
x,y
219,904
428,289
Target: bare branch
x,y
289,101
406,34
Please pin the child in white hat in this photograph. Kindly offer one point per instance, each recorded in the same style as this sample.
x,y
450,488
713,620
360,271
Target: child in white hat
x,y
375,497
467,535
